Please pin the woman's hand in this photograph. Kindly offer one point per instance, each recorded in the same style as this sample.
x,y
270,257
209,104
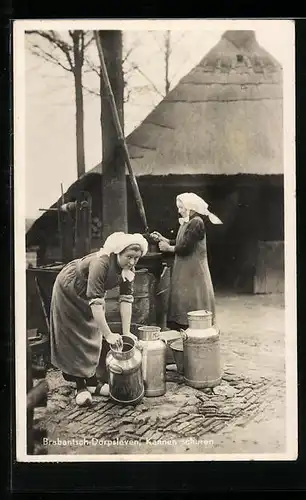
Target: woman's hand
x,y
158,237
115,340
164,246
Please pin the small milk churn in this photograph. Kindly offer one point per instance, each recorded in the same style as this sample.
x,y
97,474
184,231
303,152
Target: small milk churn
x,y
125,372
153,360
201,351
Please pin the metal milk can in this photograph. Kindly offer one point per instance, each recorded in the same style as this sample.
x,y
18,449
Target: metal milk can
x,y
153,350
202,367
125,372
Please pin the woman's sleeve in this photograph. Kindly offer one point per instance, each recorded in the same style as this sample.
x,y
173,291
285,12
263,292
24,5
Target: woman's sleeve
x,y
126,291
97,274
194,232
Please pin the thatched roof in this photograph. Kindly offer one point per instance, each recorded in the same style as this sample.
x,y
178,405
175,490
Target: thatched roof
x,y
28,223
224,117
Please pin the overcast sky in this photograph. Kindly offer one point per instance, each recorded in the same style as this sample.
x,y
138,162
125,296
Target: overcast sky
x,y
50,110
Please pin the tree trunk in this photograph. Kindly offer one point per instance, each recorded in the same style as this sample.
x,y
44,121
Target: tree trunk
x,y
114,198
79,124
77,73
167,61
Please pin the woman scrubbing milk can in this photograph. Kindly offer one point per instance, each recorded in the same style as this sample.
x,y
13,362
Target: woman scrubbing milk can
x,y
191,285
77,318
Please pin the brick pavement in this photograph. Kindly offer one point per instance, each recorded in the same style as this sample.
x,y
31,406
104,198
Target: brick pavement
x,y
181,412
252,392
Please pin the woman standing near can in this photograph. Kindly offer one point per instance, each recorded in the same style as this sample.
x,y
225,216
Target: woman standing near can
x,y
191,285
78,324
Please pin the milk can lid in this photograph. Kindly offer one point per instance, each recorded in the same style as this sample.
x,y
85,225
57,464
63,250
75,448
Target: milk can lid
x,y
202,334
201,313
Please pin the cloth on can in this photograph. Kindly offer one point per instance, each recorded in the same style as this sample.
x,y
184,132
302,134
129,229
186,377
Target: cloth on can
x,y
191,284
75,340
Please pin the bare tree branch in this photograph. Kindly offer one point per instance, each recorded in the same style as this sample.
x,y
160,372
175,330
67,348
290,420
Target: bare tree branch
x,y
91,67
90,70
176,42
136,67
127,55
127,95
74,54
91,39
48,57
158,42
53,38
91,91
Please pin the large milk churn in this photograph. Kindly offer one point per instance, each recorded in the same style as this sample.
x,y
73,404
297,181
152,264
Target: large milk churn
x,y
125,372
202,367
153,350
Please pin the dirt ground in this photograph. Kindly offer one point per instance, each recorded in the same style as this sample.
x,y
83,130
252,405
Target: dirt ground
x,y
252,350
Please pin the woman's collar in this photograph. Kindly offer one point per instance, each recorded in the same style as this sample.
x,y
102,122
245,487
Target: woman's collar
x,y
193,214
128,275
185,220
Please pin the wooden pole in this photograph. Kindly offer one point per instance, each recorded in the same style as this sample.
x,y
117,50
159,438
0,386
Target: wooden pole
x,y
119,131
113,180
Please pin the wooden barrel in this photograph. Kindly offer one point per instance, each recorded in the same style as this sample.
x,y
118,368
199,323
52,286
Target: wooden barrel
x,y
141,305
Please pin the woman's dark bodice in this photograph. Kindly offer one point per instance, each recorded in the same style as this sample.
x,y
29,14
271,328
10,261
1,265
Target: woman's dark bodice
x,y
99,273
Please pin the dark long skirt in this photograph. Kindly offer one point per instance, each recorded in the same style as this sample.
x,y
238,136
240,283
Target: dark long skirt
x,y
75,340
191,285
